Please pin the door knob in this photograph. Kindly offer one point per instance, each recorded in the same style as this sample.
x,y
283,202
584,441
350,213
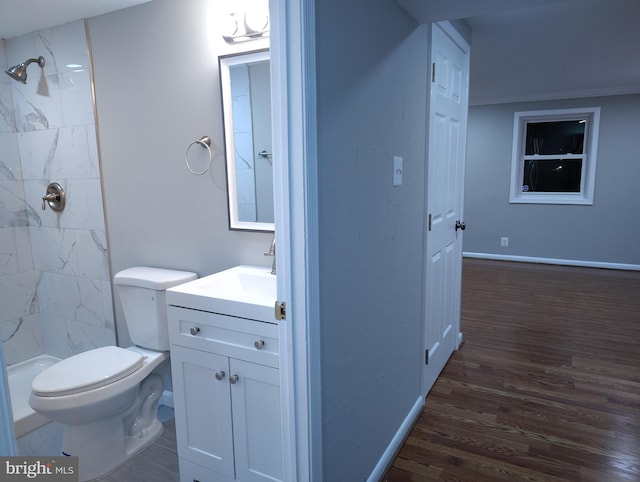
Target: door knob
x,y
220,375
234,379
460,225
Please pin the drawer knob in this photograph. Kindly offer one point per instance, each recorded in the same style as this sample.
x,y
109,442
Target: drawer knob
x,y
219,375
194,330
259,344
233,379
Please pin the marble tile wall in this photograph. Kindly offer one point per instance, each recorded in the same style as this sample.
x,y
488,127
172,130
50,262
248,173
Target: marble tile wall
x,y
55,290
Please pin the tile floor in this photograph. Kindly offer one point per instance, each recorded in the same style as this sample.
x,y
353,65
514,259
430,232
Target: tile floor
x,y
158,462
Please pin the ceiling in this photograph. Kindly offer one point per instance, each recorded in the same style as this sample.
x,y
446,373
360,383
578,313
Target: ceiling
x,y
18,17
591,42
427,11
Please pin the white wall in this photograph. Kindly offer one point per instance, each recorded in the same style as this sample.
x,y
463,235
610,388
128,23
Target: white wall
x,y
607,232
157,90
372,94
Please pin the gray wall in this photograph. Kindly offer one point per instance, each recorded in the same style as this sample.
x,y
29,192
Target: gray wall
x,y
608,231
588,53
371,85
157,90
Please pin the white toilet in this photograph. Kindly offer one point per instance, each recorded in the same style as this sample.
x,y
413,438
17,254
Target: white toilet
x,y
107,398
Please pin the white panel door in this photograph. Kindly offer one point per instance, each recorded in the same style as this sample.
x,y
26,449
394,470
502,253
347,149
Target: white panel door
x,y
447,144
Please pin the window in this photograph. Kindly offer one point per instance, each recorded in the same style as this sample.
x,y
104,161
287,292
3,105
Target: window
x,y
554,156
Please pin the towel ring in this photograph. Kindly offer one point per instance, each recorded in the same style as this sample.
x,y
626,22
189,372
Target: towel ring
x,y
205,142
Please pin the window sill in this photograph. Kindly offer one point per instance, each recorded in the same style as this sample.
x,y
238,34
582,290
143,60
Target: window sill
x,y
578,200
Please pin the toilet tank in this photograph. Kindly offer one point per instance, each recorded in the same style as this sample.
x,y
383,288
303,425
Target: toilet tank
x,y
142,295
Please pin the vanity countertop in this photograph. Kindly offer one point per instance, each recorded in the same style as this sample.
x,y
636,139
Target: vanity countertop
x,y
243,291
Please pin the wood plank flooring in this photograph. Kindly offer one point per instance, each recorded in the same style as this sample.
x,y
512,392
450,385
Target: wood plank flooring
x,y
546,386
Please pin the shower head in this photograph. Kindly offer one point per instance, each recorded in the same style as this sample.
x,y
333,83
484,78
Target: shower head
x,y
19,72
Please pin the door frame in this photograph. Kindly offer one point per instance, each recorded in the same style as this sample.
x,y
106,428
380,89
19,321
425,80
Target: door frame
x,y
293,94
452,33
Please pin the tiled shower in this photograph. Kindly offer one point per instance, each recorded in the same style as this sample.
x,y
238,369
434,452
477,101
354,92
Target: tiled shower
x,y
55,291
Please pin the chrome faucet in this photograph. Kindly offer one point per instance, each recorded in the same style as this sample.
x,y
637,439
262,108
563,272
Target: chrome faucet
x,y
272,252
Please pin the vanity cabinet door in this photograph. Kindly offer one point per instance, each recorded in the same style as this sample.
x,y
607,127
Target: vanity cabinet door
x,y
202,402
257,423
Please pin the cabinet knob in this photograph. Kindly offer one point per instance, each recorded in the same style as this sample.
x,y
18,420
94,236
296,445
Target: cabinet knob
x,y
259,344
233,379
194,330
220,375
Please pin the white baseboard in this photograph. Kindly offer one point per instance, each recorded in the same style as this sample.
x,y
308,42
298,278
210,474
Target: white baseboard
x,y
396,443
166,399
566,262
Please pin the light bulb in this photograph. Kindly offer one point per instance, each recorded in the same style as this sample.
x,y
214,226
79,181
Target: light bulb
x,y
257,21
228,26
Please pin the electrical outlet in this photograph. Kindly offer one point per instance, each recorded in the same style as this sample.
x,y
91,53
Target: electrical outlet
x,y
504,242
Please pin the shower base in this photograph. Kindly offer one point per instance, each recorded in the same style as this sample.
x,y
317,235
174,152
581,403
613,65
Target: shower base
x,y
20,377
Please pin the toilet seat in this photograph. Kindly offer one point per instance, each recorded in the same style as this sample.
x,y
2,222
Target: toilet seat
x,y
71,375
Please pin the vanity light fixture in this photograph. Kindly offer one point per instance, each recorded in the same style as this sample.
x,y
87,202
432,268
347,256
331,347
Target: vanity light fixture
x,y
243,26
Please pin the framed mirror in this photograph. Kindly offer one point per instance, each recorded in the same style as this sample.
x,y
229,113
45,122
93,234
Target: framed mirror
x,y
246,106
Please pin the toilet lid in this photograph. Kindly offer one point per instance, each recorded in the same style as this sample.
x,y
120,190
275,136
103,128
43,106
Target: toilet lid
x,y
86,371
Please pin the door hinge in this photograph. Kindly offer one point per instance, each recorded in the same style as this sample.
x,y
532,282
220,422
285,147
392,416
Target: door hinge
x,y
433,72
426,356
429,222
281,310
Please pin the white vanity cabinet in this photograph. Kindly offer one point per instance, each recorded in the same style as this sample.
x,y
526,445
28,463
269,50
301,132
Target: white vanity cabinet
x,y
226,388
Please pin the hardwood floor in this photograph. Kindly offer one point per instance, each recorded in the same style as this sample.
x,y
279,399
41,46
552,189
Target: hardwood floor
x,y
546,386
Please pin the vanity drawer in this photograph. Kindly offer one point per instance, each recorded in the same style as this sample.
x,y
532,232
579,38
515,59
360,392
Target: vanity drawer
x,y
249,340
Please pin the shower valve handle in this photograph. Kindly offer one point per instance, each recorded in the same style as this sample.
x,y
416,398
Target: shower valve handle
x,y
51,197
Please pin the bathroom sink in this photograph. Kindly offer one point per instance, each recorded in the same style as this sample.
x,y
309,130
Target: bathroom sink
x,y
243,291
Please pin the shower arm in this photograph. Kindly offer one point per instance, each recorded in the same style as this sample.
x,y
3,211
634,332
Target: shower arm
x,y
39,61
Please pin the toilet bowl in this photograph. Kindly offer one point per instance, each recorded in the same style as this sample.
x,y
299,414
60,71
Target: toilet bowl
x,y
107,398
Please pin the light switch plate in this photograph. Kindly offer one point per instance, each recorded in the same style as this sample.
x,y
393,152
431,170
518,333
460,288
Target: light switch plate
x,y
397,171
